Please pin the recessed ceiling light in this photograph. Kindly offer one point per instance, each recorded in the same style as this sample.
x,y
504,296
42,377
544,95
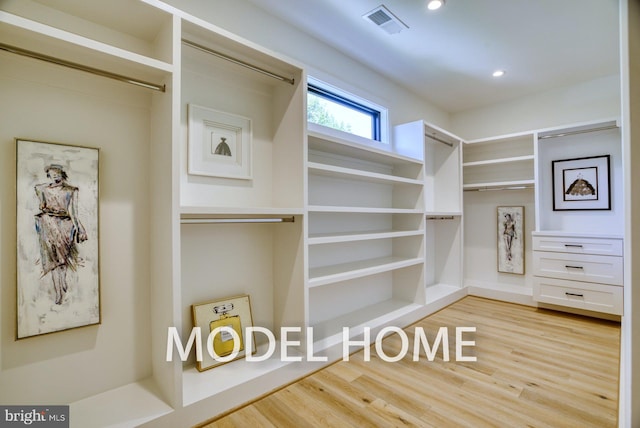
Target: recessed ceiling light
x,y
435,4
499,73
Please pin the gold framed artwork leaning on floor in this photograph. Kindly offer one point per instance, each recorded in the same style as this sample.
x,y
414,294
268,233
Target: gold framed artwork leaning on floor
x,y
225,321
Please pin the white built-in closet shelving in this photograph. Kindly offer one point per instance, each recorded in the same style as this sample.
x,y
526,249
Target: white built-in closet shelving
x,y
579,140
153,267
580,242
515,170
498,171
442,152
133,128
365,233
499,162
253,256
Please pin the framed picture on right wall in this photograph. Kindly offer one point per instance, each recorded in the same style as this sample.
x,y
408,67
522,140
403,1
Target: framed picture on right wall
x,y
581,183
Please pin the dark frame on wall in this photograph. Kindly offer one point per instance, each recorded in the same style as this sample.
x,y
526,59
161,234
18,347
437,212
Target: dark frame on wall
x,y
582,183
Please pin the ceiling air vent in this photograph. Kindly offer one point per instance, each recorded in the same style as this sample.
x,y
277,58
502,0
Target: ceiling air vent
x,y
383,18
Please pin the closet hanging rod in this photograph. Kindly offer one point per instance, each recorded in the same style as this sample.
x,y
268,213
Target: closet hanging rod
x,y
580,131
80,67
440,217
237,61
490,189
439,140
237,220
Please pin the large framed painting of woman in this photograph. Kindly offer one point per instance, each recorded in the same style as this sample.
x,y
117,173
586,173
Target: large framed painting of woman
x,y
511,240
58,266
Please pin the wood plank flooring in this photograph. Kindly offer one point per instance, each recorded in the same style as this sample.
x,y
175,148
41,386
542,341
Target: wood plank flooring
x,y
534,368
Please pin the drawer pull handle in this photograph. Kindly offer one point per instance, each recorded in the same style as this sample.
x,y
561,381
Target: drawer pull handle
x,y
573,267
574,294
573,245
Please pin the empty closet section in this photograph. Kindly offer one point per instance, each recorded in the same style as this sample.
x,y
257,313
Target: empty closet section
x,y
504,161
498,171
84,106
274,106
365,233
443,197
97,38
443,242
443,204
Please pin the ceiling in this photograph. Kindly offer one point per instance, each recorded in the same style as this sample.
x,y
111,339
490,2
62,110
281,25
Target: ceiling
x,y
448,56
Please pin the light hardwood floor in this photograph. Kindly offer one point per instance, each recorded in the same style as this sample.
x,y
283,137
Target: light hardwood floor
x,y
534,368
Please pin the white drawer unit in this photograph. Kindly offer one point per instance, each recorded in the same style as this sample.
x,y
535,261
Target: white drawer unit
x,y
578,245
584,272
580,295
579,267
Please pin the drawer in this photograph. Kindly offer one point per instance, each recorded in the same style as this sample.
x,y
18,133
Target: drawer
x,y
581,295
578,245
578,267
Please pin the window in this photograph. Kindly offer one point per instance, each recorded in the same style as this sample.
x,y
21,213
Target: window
x,y
343,112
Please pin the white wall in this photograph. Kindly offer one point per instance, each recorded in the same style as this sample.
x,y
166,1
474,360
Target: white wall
x,y
323,62
583,102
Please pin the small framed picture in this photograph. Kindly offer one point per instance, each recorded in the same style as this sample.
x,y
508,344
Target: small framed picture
x,y
58,275
581,183
223,321
219,144
511,240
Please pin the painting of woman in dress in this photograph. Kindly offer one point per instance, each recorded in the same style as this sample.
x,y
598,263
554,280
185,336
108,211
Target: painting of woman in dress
x,y
59,229
509,233
511,240
57,237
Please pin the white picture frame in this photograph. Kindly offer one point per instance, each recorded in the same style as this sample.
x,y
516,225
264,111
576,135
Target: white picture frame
x,y
219,144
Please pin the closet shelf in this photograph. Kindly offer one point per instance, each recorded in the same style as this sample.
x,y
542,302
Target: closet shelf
x,y
321,141
191,212
332,238
329,332
345,271
500,185
443,213
336,171
500,139
499,161
362,210
145,395
46,40
435,292
200,385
